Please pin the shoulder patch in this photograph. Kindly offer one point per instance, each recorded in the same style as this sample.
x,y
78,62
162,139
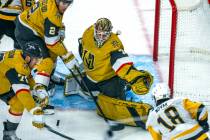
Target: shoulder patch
x,y
58,15
11,54
115,43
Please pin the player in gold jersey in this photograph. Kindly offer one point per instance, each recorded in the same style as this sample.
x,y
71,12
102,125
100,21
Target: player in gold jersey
x,y
9,9
108,68
43,25
177,118
15,68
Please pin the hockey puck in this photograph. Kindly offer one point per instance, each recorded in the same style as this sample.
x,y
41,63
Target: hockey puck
x,y
110,134
58,123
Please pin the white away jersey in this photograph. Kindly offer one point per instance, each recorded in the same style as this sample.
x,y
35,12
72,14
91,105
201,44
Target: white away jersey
x,y
175,119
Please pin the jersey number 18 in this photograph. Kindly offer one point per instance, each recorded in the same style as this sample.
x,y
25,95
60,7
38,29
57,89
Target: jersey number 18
x,y
173,115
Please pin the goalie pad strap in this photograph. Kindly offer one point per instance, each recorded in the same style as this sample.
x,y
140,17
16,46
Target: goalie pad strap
x,y
129,113
135,115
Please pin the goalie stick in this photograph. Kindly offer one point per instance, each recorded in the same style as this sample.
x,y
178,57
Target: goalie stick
x,y
114,126
49,128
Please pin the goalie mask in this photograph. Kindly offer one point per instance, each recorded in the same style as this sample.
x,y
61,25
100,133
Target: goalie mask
x,y
161,91
102,30
65,1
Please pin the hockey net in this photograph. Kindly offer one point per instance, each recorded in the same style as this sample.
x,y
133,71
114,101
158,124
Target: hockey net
x,y
182,47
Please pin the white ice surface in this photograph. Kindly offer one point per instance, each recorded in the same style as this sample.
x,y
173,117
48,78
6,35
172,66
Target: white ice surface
x,y
135,19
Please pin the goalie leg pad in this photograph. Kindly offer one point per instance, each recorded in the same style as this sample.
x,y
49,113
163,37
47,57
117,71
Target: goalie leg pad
x,y
71,87
129,113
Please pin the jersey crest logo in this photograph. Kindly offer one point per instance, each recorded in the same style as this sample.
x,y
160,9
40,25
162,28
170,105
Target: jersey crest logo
x,y
31,47
88,59
11,54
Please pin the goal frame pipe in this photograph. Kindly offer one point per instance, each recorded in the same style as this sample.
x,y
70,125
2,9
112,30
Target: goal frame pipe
x,y
172,46
156,30
172,40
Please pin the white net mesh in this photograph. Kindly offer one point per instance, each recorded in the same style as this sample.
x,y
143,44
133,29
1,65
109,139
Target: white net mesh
x,y
192,49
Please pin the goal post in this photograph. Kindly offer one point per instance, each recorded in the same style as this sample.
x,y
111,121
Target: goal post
x,y
182,47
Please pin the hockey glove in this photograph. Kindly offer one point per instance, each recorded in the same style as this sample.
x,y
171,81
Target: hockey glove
x,y
70,61
141,84
62,32
41,95
204,125
38,118
202,117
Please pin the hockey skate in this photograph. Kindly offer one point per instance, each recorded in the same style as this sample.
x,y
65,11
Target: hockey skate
x,y
9,131
49,110
10,135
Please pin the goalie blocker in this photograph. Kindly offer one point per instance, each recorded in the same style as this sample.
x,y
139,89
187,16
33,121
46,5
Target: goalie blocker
x,y
71,87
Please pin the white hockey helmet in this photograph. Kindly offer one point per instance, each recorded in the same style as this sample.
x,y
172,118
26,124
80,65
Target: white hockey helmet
x,y
161,91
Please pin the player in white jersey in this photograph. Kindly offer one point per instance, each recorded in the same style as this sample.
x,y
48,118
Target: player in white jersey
x,y
176,119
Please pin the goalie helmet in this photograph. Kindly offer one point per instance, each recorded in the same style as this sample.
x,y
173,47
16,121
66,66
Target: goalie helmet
x,y
65,1
161,91
102,30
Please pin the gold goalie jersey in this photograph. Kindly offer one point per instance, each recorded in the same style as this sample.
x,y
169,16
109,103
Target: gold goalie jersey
x,y
178,119
9,9
97,61
46,22
14,75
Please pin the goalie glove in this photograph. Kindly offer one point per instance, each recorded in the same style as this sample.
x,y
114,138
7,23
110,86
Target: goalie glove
x,y
139,81
204,125
40,95
141,84
70,61
38,118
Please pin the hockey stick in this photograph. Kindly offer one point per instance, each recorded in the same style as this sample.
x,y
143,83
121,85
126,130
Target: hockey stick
x,y
49,128
113,126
